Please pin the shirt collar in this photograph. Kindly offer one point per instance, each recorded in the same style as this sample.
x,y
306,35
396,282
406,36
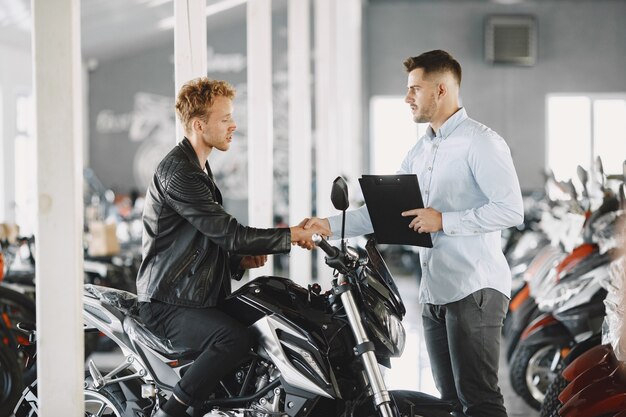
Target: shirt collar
x,y
449,125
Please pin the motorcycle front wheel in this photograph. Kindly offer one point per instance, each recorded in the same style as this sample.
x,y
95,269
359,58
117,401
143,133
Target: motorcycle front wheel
x,y
530,372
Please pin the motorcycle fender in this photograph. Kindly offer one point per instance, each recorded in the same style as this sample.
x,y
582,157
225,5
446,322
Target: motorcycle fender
x,y
585,361
582,347
551,332
589,377
522,315
603,397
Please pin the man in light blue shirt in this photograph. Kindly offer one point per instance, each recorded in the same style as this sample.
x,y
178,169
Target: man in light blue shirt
x,y
471,192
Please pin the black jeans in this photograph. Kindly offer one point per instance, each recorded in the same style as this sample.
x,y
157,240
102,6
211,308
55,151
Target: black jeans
x,y
463,343
221,340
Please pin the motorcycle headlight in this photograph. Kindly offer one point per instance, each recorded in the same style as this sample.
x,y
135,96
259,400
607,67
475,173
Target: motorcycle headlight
x,y
396,332
392,329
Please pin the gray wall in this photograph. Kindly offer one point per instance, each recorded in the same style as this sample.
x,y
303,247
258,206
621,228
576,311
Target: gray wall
x,y
581,48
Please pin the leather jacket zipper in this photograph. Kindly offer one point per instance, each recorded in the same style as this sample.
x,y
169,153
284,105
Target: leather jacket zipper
x,y
185,267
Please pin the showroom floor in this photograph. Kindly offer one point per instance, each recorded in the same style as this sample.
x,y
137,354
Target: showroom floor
x,y
412,370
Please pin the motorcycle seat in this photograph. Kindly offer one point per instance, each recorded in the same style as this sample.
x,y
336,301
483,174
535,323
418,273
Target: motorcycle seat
x,y
126,302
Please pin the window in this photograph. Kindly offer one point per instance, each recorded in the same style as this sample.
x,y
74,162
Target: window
x,y
583,126
25,167
393,133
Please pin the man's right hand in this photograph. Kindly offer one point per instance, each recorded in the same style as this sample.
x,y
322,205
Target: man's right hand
x,y
316,221
302,235
313,223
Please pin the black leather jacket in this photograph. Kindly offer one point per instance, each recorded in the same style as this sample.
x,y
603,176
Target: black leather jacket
x,y
190,244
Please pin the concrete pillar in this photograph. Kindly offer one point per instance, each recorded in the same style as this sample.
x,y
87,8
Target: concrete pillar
x,y
300,151
190,45
260,120
338,85
57,83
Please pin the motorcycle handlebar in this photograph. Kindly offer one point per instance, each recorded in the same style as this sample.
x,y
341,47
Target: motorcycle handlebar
x,y
330,250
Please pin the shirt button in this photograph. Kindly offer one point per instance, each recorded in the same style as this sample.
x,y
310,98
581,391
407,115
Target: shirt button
x,y
430,168
424,264
426,192
452,232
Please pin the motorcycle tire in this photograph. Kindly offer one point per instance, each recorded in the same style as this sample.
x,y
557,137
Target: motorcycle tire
x,y
109,401
517,327
551,404
527,364
10,380
16,308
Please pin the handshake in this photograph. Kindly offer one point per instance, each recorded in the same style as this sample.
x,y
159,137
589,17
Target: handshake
x,y
302,233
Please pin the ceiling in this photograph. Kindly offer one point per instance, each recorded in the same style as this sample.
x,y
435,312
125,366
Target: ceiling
x,y
112,28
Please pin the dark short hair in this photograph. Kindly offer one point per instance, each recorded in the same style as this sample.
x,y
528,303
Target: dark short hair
x,y
434,61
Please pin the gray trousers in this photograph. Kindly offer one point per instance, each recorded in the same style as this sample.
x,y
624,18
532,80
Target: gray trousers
x,y
463,342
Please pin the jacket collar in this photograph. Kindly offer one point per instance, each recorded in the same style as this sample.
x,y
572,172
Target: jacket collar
x,y
185,145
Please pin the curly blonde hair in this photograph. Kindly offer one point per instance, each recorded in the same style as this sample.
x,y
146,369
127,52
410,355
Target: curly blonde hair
x,y
197,95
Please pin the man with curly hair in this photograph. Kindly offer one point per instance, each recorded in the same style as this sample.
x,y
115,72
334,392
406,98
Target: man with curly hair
x,y
192,247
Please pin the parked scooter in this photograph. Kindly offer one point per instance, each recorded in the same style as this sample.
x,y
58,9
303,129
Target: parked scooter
x,y
572,305
316,353
594,382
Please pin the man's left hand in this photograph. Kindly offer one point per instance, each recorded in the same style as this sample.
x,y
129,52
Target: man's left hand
x,y
249,262
427,220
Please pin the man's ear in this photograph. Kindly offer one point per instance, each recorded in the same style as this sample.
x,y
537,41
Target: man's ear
x,y
442,89
196,125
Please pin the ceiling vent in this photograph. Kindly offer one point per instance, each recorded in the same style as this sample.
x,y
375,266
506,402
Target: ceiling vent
x,y
511,40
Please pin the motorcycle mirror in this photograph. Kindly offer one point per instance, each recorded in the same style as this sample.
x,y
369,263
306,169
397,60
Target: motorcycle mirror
x,y
583,176
569,185
600,171
339,197
339,194
600,167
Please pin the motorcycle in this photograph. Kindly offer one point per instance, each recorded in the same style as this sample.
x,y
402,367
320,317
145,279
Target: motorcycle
x,y
316,354
572,303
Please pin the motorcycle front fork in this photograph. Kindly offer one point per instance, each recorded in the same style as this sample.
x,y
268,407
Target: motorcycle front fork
x,y
382,399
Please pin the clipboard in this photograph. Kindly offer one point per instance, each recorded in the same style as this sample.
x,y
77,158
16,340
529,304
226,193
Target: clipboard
x,y
386,197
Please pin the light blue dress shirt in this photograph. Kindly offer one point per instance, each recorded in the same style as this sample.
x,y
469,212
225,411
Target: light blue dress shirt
x,y
465,171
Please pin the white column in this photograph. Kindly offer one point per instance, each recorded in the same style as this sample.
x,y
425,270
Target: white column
x,y
260,121
338,86
190,45
57,83
300,163
348,91
327,165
